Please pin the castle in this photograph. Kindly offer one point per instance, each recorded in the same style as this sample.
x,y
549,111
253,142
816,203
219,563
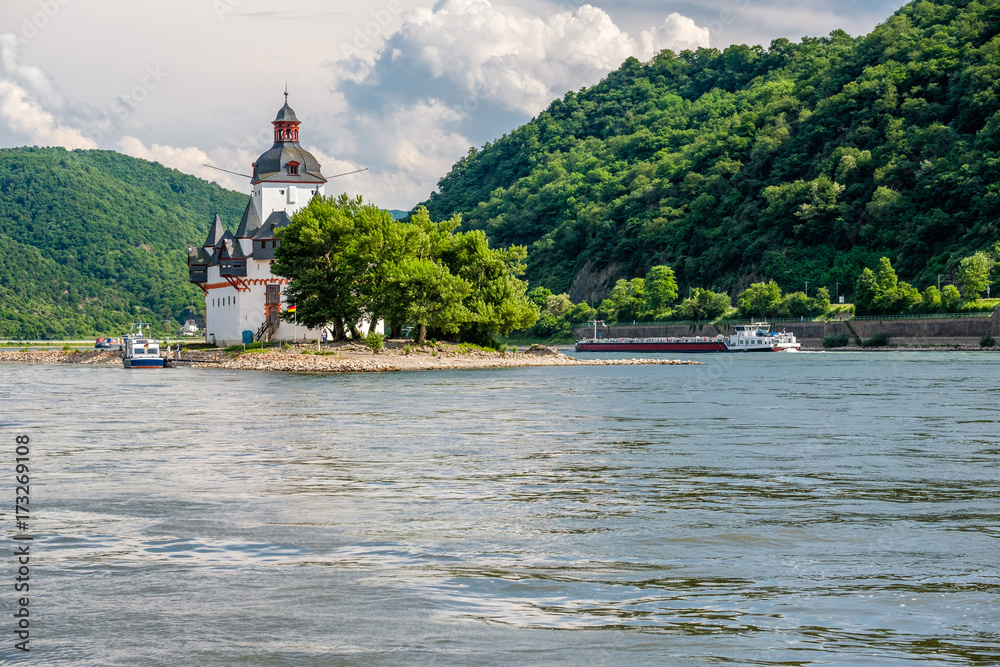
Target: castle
x,y
234,270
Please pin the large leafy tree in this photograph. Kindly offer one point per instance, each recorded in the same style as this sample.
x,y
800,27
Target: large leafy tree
x,y
760,300
329,265
348,261
974,275
660,287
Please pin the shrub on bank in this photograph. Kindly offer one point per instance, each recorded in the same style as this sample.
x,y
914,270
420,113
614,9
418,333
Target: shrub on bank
x,y
880,339
375,341
987,341
835,340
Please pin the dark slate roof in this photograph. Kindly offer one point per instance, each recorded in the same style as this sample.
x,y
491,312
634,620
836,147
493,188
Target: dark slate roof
x,y
226,236
272,165
200,256
215,233
250,222
285,114
274,221
231,249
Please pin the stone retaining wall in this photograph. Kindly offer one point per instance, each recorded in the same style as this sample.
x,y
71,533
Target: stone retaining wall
x,y
918,332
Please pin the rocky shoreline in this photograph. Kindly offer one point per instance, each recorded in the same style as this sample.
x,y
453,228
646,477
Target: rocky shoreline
x,y
347,358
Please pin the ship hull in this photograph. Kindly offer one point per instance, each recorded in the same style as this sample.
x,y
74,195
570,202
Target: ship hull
x,y
143,363
652,347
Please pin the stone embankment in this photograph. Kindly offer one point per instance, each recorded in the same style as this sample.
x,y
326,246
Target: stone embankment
x,y
348,358
913,333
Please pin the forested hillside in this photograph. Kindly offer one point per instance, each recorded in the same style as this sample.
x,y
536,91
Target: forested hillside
x,y
91,241
800,162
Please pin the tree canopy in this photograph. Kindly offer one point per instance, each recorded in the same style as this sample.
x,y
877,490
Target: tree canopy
x,y
348,262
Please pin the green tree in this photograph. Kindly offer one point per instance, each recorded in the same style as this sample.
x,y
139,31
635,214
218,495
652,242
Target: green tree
x,y
703,305
930,301
628,299
974,275
559,304
951,298
433,295
540,296
660,287
866,290
760,300
317,255
822,300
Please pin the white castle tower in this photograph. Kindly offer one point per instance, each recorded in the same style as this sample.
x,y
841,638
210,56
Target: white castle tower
x,y
234,271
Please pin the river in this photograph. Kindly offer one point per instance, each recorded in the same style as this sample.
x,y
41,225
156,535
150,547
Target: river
x,y
792,509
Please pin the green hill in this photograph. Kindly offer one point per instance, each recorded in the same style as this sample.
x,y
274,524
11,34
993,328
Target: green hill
x,y
800,162
91,241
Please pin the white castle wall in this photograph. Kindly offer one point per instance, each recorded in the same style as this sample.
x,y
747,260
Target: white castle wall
x,y
269,197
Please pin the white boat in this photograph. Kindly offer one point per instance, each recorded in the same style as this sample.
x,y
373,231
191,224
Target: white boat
x,y
140,351
758,337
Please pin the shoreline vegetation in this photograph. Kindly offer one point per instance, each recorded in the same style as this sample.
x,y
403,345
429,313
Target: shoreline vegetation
x,y
347,358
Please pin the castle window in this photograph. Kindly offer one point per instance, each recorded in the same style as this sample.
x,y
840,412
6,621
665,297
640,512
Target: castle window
x,y
293,168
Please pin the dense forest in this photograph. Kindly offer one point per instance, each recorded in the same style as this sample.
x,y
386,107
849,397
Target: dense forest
x,y
91,241
800,162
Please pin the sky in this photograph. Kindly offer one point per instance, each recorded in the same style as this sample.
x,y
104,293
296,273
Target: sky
x,y
402,87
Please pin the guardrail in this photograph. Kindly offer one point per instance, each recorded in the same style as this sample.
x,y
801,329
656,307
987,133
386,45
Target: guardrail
x,y
795,320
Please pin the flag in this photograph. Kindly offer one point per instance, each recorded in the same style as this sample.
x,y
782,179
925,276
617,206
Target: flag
x,y
291,309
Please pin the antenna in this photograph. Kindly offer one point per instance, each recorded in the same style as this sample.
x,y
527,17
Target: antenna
x,y
227,171
348,173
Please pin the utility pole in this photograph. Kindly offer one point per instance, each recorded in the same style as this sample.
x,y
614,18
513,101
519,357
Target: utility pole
x,y
939,282
807,288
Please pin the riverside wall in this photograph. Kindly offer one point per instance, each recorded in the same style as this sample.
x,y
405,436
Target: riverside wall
x,y
912,332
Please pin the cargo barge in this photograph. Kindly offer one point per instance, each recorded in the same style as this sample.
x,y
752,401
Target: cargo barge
x,y
753,337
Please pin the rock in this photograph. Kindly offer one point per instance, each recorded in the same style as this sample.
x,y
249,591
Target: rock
x,y
543,351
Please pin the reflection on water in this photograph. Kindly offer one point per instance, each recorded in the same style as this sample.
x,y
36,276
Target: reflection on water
x,y
788,509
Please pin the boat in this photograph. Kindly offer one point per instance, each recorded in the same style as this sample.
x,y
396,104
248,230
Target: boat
x,y
140,351
753,337
108,343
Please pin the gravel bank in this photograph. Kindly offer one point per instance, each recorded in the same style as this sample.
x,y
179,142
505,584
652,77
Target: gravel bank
x,y
348,358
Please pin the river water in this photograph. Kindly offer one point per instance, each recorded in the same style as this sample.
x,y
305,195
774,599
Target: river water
x,y
790,509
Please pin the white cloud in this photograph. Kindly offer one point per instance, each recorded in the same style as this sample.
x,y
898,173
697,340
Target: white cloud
x,y
25,116
190,160
466,71
34,80
519,62
25,92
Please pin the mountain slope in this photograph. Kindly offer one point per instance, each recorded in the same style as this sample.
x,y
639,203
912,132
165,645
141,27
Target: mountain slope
x,y
802,162
93,240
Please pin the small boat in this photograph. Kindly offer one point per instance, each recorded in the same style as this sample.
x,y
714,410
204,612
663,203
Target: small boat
x,y
753,337
140,351
108,343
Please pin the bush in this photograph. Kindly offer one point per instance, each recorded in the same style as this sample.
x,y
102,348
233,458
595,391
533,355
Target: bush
x,y
375,341
880,339
836,340
987,341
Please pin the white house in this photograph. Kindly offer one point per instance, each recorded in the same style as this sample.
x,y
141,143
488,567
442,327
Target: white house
x,y
234,271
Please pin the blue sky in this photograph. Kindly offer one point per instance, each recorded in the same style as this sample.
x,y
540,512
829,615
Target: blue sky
x,y
403,87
